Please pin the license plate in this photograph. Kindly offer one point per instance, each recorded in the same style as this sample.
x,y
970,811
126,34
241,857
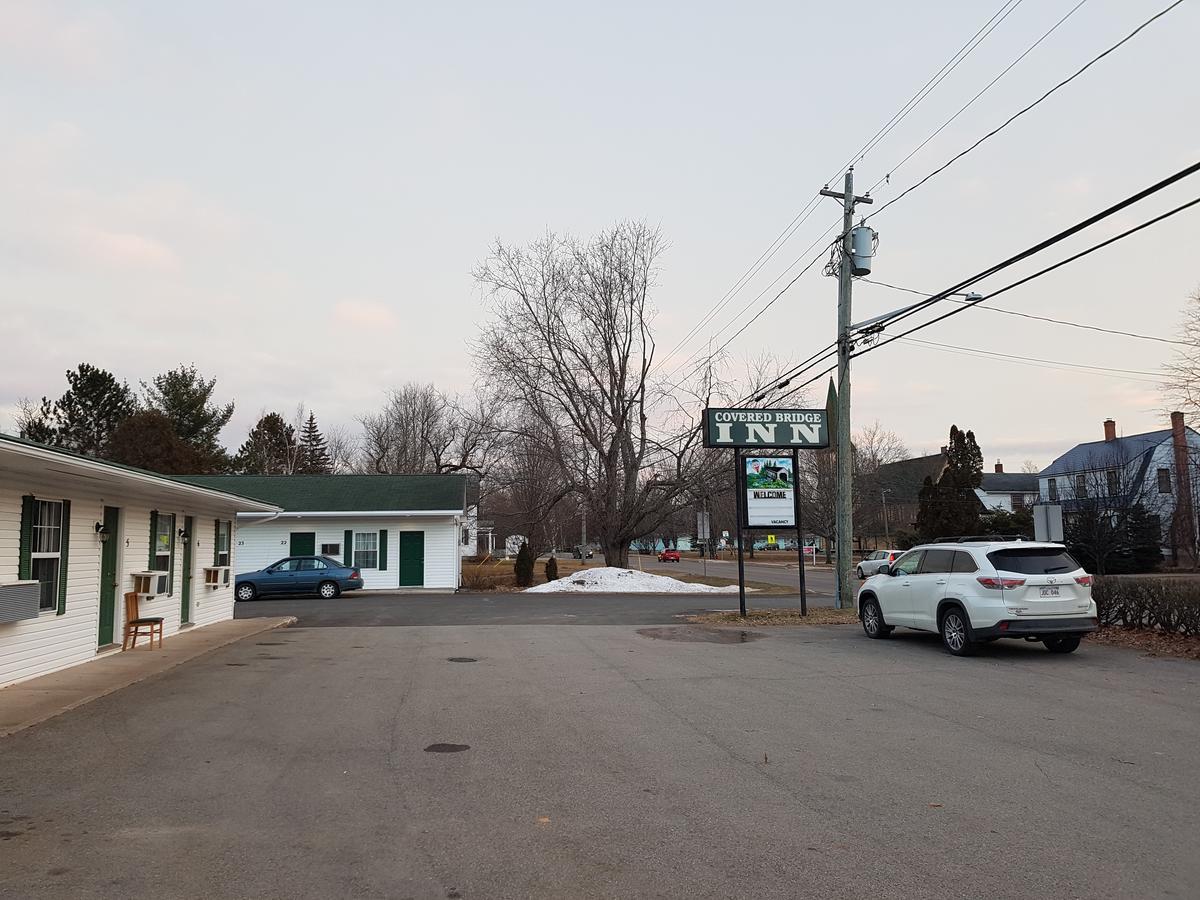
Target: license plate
x,y
1049,592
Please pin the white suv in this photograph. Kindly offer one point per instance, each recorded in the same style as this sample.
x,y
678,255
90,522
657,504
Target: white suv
x,y
973,590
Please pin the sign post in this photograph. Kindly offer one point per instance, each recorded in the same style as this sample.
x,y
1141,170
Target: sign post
x,y
766,484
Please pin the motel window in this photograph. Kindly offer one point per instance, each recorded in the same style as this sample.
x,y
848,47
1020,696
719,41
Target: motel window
x,y
366,550
1081,486
1052,489
334,550
164,546
46,549
1164,481
224,530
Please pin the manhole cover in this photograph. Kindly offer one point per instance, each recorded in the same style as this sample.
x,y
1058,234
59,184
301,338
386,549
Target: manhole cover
x,y
447,748
695,634
461,659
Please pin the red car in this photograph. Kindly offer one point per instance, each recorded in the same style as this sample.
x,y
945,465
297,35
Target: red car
x,y
668,556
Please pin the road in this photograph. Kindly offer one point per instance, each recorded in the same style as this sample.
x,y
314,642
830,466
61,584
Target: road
x,y
820,581
596,761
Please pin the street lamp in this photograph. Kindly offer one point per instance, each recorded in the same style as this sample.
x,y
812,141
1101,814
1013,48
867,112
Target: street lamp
x,y
887,538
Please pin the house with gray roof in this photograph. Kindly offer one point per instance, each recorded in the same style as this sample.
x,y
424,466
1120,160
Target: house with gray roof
x,y
399,531
1008,491
1153,469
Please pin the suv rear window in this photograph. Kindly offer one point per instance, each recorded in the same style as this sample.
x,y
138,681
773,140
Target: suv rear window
x,y
1033,561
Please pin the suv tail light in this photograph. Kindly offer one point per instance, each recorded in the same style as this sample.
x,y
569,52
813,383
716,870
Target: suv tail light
x,y
1085,580
1000,584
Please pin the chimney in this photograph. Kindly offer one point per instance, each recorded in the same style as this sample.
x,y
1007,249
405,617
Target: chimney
x,y
1110,430
999,467
1184,520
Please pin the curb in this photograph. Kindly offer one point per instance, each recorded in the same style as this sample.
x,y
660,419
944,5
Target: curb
x,y
38,718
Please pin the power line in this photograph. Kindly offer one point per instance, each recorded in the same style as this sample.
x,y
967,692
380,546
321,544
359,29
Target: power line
x,y
1039,273
1026,109
987,87
809,208
1025,315
978,38
1042,363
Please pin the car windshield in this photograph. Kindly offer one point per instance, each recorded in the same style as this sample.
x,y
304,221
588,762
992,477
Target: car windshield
x,y
1033,560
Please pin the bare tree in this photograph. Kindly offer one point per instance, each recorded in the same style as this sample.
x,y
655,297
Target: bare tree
x,y
1182,383
343,449
570,348
1029,467
421,430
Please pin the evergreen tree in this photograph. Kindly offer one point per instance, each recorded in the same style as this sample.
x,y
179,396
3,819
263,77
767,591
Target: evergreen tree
x,y
85,417
523,567
314,454
950,506
185,398
270,448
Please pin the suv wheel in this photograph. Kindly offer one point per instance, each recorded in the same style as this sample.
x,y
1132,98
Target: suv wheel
x,y
1062,644
872,619
956,632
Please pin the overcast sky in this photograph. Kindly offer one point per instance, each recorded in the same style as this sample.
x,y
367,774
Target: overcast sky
x,y
292,195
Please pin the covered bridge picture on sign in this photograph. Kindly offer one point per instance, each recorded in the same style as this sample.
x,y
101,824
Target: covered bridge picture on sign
x,y
769,485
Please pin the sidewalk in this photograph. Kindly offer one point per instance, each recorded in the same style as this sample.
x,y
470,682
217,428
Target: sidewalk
x,y
38,699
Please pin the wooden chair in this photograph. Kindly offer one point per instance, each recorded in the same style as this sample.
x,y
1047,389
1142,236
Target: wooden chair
x,y
135,623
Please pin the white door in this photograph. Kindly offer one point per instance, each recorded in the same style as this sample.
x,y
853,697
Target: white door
x,y
929,587
893,592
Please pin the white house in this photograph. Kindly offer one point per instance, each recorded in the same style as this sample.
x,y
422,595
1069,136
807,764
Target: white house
x,y
1153,469
77,533
399,531
1007,491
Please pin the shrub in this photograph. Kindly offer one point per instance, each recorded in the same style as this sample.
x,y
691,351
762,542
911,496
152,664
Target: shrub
x,y
1169,604
552,569
524,566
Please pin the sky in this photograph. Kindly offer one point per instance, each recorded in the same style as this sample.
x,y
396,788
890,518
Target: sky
x,y
293,195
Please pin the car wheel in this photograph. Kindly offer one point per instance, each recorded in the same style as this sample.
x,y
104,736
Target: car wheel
x,y
872,619
861,576
328,590
1062,644
956,632
246,592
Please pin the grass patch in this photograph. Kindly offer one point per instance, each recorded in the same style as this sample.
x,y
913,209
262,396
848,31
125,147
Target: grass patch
x,y
819,616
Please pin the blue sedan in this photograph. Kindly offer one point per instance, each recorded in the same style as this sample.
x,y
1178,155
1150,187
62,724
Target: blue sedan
x,y
321,575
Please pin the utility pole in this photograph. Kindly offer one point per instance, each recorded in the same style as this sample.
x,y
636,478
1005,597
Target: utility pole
x,y
845,470
887,538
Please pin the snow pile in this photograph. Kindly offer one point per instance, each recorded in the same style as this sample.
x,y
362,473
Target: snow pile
x,y
611,580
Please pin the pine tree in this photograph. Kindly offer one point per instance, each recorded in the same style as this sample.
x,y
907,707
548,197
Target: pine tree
x,y
147,440
270,448
314,454
523,567
184,396
950,506
85,417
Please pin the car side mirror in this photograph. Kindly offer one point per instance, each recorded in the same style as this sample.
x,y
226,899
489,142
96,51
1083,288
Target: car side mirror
x,y
885,569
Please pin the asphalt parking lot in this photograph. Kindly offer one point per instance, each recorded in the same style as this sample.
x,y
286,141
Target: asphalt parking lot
x,y
353,760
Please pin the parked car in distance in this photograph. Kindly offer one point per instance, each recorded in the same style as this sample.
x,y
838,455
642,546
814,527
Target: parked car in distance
x,y
320,575
578,552
668,556
871,564
971,591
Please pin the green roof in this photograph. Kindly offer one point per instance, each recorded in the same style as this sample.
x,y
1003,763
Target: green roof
x,y
345,493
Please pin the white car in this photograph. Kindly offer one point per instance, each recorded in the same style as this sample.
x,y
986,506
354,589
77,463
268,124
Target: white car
x,y
979,590
870,565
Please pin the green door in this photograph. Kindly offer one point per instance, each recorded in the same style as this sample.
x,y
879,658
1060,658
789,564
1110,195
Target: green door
x,y
412,559
108,575
303,543
185,609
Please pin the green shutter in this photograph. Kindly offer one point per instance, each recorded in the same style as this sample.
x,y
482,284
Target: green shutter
x,y
382,548
64,552
153,538
171,564
217,540
348,550
24,559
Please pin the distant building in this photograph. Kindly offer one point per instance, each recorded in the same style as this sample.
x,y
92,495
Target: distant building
x,y
896,488
1007,491
1153,469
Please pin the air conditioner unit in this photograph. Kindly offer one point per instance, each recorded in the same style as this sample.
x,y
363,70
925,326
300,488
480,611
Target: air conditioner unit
x,y
216,576
149,585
